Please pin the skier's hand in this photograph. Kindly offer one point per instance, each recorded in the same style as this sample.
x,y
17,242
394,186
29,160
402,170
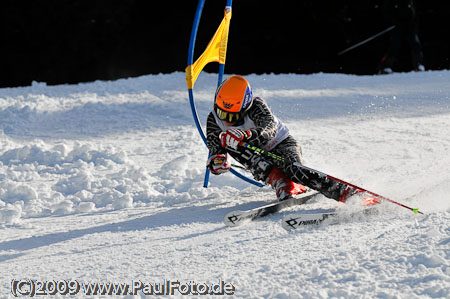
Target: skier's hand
x,y
218,164
232,137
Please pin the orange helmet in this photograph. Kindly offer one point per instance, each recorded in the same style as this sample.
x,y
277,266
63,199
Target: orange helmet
x,y
233,99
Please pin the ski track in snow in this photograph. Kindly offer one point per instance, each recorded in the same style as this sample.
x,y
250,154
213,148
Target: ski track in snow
x,y
102,182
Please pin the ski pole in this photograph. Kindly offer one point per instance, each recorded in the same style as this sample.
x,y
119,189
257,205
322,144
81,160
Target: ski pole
x,y
415,210
310,170
238,166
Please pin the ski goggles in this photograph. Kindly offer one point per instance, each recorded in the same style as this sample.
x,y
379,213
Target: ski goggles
x,y
230,117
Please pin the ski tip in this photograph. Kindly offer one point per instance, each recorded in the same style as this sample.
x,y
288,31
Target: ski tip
x,y
233,218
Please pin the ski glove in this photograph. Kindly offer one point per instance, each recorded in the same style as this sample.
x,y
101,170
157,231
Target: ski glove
x,y
232,137
218,164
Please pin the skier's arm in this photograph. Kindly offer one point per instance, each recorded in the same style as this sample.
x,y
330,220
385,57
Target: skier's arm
x,y
218,161
212,136
266,126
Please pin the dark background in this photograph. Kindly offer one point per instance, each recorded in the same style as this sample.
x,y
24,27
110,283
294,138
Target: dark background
x,y
62,41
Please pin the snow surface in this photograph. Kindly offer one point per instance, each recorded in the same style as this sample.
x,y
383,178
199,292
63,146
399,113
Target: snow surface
x,y
103,182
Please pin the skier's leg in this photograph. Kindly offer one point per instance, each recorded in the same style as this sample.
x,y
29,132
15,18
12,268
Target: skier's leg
x,y
265,169
315,181
320,182
285,187
290,150
254,162
292,153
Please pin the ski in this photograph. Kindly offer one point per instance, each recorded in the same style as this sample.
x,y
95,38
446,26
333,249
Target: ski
x,y
294,221
237,217
333,216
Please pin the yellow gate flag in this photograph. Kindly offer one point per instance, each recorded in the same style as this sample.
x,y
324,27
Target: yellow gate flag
x,y
215,51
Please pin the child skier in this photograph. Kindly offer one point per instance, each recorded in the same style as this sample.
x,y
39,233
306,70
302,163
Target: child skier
x,y
238,116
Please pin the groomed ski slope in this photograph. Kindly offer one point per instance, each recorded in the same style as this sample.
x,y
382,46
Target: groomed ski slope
x,y
102,182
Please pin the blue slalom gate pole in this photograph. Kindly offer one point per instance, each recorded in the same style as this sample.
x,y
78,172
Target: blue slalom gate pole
x,y
191,92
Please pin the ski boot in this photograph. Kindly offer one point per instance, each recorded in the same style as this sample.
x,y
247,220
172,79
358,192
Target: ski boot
x,y
370,201
285,188
349,191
